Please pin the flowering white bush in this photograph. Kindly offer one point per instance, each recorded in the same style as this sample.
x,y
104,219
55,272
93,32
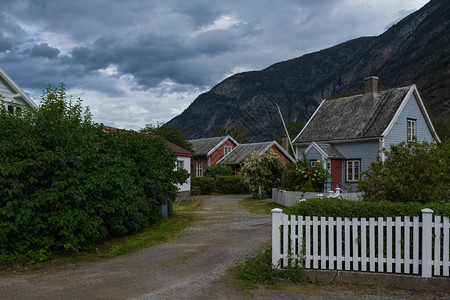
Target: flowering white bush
x,y
262,172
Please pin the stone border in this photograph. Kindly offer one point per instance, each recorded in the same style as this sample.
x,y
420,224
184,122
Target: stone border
x,y
407,282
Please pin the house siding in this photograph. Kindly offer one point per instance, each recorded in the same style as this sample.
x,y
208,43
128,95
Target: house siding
x,y
6,92
366,152
219,153
187,166
398,133
313,154
198,160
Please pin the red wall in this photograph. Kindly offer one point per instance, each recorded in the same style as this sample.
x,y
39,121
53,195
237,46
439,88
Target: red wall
x,y
219,153
281,155
198,160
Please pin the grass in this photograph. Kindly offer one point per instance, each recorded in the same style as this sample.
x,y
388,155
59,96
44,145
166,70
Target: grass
x,y
258,206
155,234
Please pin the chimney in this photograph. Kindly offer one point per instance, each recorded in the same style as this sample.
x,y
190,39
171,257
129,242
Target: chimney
x,y
370,96
285,143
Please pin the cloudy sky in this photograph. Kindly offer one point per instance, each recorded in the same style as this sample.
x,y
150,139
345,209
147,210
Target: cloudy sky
x,y
135,62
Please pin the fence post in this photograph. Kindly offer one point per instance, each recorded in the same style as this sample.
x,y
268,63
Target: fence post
x,y
276,235
427,240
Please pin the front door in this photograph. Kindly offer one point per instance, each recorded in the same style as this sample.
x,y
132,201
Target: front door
x,y
336,173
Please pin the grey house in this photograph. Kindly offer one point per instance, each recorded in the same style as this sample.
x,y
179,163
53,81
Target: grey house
x,y
347,134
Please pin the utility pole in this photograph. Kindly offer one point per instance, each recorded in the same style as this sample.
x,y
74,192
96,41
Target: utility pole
x,y
287,133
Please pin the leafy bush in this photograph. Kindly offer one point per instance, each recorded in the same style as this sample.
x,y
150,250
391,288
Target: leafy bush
x,y
333,207
217,170
202,185
303,177
418,172
259,270
262,172
65,184
231,185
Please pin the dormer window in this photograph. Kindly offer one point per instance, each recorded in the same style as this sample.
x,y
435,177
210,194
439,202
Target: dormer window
x,y
227,149
411,130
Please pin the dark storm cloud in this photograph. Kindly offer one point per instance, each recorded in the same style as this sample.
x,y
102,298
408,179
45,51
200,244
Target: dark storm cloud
x,y
43,50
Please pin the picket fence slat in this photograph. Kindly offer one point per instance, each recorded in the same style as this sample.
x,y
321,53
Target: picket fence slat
x,y
347,243
331,256
401,245
323,245
380,245
285,241
407,228
307,242
446,250
372,244
363,245
338,243
416,245
437,245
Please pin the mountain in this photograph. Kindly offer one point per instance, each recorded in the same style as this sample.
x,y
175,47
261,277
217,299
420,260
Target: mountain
x,y
415,50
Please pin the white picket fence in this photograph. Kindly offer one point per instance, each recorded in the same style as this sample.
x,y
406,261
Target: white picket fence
x,y
408,245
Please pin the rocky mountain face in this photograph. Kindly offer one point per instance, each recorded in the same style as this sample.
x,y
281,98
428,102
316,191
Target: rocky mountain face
x,y
415,50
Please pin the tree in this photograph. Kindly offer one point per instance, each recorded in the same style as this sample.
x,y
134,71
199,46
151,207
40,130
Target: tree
x,y
238,132
261,172
65,184
169,133
411,172
442,127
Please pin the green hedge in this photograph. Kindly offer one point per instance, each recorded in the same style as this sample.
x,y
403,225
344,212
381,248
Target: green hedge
x,y
332,207
231,185
223,185
66,184
202,185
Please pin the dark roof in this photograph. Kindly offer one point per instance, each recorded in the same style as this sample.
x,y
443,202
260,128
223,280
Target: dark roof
x,y
203,146
178,150
345,119
240,153
330,151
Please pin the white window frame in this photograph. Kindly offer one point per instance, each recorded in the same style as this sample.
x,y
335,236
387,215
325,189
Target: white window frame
x,y
353,170
180,164
313,162
411,130
199,170
227,149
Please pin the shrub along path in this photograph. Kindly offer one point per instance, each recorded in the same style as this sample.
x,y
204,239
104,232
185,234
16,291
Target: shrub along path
x,y
188,267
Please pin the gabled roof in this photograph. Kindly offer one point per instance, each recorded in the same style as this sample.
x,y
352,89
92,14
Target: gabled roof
x,y
326,150
207,146
18,95
241,152
345,119
180,151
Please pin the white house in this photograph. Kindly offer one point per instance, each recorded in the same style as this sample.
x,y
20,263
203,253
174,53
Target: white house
x,y
13,96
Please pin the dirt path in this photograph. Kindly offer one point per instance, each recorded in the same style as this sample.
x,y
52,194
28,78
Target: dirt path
x,y
188,267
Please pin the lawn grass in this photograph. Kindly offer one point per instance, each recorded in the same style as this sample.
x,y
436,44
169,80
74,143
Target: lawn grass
x,y
258,206
169,228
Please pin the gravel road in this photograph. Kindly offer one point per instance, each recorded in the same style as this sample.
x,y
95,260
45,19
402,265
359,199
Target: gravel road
x,y
189,267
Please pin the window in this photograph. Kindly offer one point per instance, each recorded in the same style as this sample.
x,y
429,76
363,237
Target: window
x,y
11,109
199,170
353,170
411,130
227,149
180,164
312,163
